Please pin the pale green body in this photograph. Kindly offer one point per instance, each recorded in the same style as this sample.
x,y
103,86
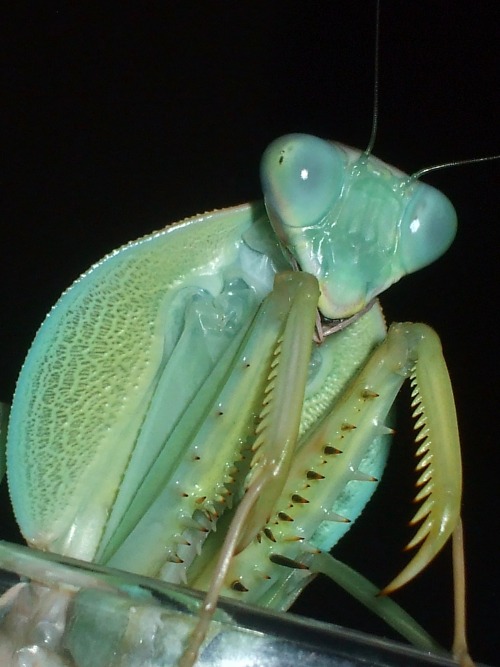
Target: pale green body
x,y
156,373
132,291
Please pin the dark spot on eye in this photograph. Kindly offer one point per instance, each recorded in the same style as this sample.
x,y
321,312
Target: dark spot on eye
x,y
280,161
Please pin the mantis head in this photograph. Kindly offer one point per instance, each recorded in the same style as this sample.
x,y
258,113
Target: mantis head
x,y
351,220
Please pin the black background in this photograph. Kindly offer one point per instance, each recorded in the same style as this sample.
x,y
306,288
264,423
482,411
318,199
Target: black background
x,y
119,121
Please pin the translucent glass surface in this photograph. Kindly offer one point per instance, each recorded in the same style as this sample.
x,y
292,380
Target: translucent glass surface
x,y
99,617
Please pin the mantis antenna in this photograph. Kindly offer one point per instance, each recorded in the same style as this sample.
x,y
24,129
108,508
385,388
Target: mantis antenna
x,y
453,163
373,134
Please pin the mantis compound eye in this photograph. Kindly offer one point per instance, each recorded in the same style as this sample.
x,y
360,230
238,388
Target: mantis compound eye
x,y
428,227
302,178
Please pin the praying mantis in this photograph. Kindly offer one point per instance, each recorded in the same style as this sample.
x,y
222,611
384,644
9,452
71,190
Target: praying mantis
x,y
330,122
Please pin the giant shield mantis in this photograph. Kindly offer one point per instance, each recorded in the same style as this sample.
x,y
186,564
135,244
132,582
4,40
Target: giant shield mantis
x,y
329,125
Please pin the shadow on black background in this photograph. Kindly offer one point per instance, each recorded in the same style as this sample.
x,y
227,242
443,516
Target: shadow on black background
x,y
120,122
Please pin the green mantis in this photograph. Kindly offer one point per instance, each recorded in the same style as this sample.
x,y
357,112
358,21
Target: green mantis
x,y
185,362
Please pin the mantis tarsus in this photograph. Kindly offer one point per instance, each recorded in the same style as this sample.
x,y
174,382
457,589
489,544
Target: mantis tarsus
x,y
254,110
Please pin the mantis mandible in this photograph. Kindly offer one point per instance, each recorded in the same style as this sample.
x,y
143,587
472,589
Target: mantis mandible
x,y
329,131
